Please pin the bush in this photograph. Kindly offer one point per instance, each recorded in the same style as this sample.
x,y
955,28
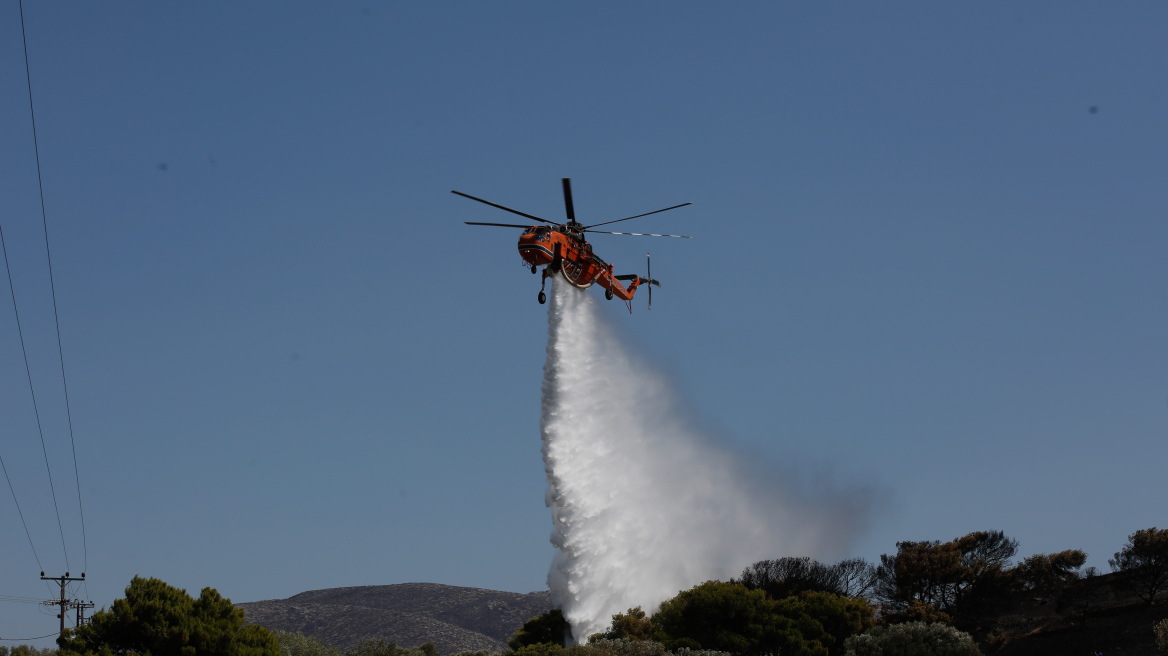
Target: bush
x,y
729,617
381,648
912,639
1161,630
551,627
686,651
627,647
372,647
298,644
539,649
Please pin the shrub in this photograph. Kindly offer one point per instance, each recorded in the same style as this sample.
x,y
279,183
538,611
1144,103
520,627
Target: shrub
x,y
551,627
372,647
627,647
298,644
1161,630
912,639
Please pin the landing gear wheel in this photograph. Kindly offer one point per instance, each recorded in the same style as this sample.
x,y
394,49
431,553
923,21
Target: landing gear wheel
x,y
542,298
608,294
533,269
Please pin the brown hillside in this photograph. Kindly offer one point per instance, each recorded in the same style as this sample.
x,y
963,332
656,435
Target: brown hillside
x,y
453,618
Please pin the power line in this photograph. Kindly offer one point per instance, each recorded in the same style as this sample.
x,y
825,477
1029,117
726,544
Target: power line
x,y
31,391
21,513
36,638
53,289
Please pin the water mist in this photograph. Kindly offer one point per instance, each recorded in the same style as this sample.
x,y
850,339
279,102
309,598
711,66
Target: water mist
x,y
643,504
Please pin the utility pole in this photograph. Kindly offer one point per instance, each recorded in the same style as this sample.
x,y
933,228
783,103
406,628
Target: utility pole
x,y
81,606
62,602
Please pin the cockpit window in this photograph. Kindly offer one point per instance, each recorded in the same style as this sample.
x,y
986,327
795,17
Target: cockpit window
x,y
541,233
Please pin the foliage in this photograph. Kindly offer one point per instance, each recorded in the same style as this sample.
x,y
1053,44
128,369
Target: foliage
x,y
626,647
839,616
298,644
686,651
919,611
912,639
372,647
632,624
27,650
162,620
730,617
789,576
540,649
1047,573
551,627
944,575
1161,630
1143,561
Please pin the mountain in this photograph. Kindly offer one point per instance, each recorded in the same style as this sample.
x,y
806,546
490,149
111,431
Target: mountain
x,y
453,618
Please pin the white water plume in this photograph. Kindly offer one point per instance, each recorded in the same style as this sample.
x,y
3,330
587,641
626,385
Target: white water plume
x,y
645,505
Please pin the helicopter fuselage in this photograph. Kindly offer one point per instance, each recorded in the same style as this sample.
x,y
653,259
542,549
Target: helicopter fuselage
x,y
572,257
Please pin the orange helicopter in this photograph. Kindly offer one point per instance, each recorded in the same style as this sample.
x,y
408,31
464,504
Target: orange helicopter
x,y
562,247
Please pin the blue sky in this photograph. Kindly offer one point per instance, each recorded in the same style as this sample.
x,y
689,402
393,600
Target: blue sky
x,y
920,264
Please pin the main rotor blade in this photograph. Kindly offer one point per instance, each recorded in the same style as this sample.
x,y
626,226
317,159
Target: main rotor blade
x,y
637,234
502,225
640,215
505,209
571,210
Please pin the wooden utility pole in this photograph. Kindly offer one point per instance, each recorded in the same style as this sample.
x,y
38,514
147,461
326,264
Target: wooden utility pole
x,y
81,606
62,602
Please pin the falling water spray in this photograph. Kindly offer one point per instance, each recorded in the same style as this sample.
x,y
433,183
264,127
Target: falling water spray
x,y
643,504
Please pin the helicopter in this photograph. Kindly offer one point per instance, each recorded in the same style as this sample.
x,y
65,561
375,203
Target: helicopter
x,y
564,250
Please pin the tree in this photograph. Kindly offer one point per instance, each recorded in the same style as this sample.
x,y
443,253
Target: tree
x,y
964,574
27,650
630,625
1143,563
788,576
912,639
157,619
550,628
1050,573
854,577
840,617
730,617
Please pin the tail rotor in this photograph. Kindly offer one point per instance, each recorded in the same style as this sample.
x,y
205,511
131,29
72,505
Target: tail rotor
x,y
648,279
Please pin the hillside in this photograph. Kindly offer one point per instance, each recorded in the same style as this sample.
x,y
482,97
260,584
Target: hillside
x,y
453,618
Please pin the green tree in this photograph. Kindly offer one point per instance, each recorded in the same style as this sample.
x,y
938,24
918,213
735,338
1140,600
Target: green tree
x,y
1143,563
633,624
730,617
549,628
157,619
27,650
912,639
839,616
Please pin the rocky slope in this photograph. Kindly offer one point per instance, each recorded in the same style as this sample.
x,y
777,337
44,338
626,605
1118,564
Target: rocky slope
x,y
455,619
